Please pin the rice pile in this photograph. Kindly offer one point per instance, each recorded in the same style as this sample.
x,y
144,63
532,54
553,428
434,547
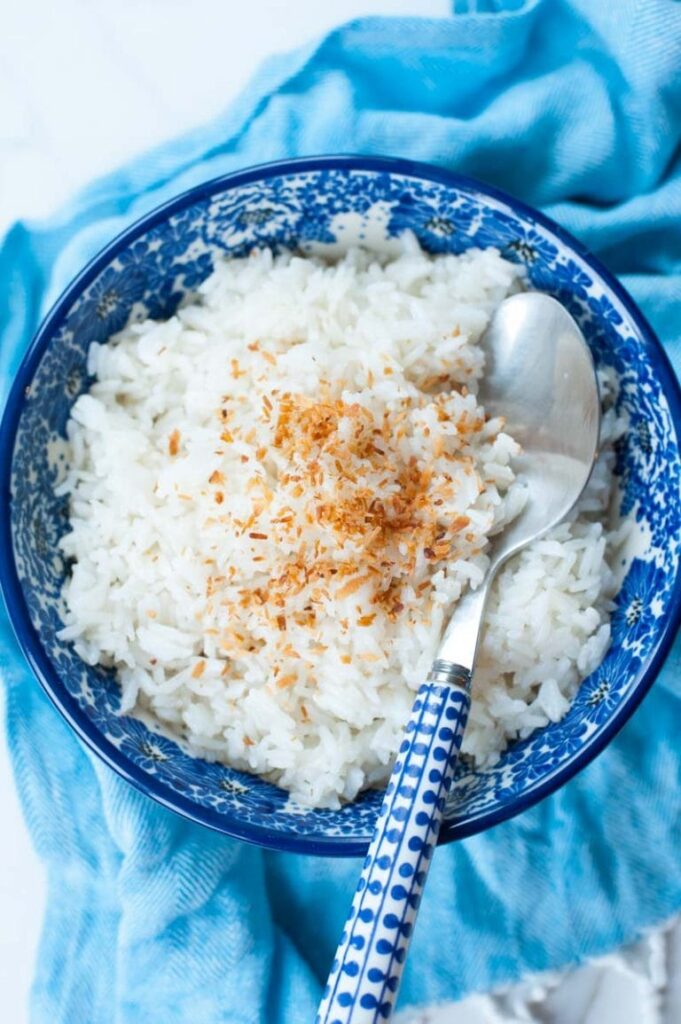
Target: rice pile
x,y
279,494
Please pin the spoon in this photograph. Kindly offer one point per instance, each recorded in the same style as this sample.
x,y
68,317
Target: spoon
x,y
540,377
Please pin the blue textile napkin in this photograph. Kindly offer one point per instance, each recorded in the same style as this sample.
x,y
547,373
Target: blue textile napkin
x,y
576,108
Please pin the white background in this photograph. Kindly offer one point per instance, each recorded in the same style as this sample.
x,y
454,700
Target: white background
x,y
84,85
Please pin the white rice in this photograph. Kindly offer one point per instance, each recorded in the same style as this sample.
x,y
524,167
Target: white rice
x,y
278,495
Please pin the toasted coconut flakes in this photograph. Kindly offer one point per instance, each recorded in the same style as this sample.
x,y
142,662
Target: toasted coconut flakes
x,y
199,669
351,587
174,442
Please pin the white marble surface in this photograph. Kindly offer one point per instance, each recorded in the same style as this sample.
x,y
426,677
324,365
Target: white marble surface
x,y
84,85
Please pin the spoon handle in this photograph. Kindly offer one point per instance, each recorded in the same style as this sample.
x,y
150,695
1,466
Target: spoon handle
x,y
367,969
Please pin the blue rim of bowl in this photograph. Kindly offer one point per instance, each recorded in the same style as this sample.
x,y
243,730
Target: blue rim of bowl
x,y
17,609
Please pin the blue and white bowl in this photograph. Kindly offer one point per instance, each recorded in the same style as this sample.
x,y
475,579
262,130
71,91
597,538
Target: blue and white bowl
x,y
147,271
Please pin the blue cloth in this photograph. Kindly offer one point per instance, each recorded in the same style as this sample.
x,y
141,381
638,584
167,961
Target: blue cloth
x,y
575,107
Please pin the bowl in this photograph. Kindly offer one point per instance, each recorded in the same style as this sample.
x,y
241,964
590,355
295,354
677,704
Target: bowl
x,y
334,202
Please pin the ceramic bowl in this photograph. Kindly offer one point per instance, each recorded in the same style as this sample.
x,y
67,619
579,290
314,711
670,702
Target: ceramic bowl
x,y
335,201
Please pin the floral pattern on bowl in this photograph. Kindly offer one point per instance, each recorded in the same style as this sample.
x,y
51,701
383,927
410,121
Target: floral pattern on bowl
x,y
332,203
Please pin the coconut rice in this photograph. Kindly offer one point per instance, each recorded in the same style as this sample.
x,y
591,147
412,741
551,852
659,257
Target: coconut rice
x,y
278,495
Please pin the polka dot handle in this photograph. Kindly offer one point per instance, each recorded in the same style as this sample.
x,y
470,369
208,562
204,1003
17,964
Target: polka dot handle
x,y
366,972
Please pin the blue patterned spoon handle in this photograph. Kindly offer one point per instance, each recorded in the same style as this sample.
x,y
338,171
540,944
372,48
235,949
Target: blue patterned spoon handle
x,y
366,972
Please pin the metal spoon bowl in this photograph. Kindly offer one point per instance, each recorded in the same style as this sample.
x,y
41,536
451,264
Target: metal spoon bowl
x,y
540,377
